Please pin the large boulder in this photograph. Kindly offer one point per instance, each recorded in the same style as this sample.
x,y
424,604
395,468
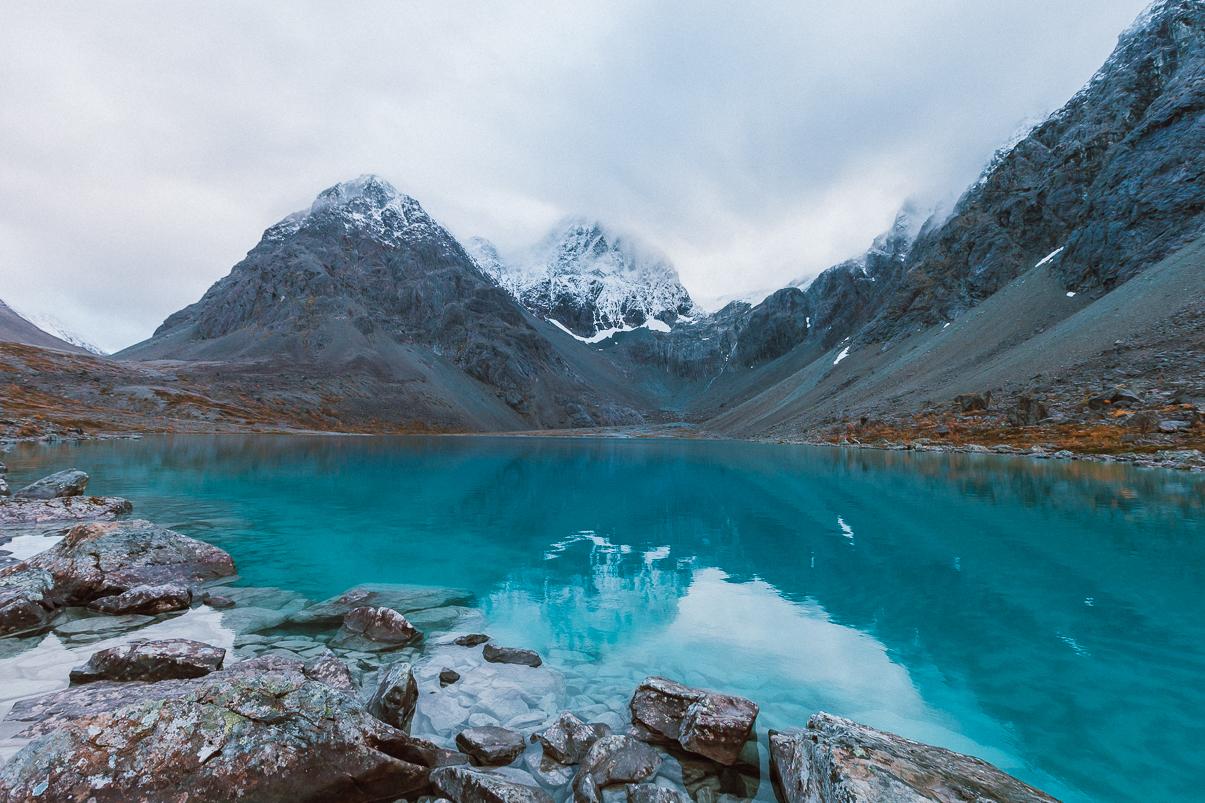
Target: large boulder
x,y
464,785
568,739
396,696
612,760
375,630
146,599
708,723
490,745
151,660
71,482
401,598
73,508
328,669
840,761
259,730
511,655
102,559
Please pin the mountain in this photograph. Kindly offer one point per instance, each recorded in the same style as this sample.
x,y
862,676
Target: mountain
x,y
16,328
52,325
590,280
365,284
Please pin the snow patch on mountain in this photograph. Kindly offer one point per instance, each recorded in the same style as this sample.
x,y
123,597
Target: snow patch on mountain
x,y
53,326
589,279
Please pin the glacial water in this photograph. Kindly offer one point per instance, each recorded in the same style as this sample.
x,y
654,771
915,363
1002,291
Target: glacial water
x,y
1046,616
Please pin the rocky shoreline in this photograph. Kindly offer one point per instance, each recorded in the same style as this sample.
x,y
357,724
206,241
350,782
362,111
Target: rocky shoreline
x,y
167,681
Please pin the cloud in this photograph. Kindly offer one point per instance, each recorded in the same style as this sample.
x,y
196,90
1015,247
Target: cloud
x,y
145,146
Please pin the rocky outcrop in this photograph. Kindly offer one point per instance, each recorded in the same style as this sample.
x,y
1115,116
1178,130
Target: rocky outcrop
x,y
72,508
103,559
708,723
568,739
375,630
150,661
328,669
839,761
464,785
490,745
145,599
260,730
396,695
71,482
511,655
612,760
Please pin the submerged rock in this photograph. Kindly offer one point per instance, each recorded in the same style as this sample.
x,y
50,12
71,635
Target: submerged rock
x,y
401,598
448,676
259,730
71,482
837,759
470,640
73,508
146,599
374,630
218,601
708,723
464,785
490,745
568,739
151,660
611,760
102,559
396,695
511,655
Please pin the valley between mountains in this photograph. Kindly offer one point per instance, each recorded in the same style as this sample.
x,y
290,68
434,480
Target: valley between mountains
x,y
1059,305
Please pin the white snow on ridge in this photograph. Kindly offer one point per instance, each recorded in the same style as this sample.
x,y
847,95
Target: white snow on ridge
x,y
1050,256
53,326
844,353
584,266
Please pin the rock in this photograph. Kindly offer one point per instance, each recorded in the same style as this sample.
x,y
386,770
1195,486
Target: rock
x,y
151,660
611,760
708,723
471,640
61,484
511,655
97,627
401,598
1027,412
259,730
396,695
651,793
1143,421
568,739
836,759
97,560
4,491
464,785
973,402
490,745
217,601
146,600
448,676
374,630
72,508
328,669
1170,427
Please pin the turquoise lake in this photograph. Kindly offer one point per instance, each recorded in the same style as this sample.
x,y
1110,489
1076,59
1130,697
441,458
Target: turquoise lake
x,y
1047,616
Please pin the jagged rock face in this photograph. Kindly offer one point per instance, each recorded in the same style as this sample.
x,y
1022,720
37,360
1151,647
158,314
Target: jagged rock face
x,y
774,327
1116,178
354,283
589,279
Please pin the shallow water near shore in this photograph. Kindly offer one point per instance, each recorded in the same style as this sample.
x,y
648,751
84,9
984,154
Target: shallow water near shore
x,y
1046,616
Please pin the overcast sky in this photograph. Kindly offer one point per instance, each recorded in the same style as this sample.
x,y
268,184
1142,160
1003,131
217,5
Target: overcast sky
x,y
144,147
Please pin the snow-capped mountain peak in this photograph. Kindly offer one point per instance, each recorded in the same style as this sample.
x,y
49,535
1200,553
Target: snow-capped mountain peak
x,y
368,204
589,279
53,326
